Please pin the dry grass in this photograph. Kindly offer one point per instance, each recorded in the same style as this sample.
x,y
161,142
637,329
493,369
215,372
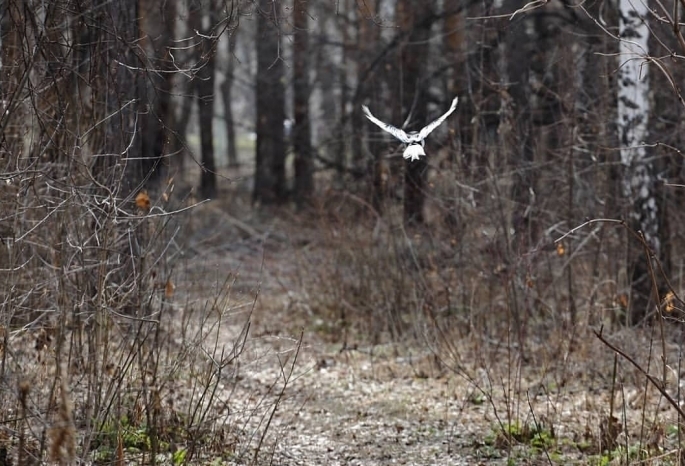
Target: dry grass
x,y
114,345
520,331
247,337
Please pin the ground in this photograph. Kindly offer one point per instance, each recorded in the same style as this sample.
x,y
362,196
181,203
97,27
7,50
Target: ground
x,y
276,337
348,401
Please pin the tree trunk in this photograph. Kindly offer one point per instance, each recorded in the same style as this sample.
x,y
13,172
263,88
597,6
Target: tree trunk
x,y
119,163
368,35
413,98
341,146
226,88
269,186
520,46
204,93
457,85
302,144
179,149
633,118
158,124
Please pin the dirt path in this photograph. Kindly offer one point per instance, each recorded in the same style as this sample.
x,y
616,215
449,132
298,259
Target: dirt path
x,y
362,406
357,409
385,404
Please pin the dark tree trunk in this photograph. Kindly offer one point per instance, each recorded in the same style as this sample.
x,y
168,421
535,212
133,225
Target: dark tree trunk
x,y
341,146
412,64
269,184
185,88
159,122
302,144
368,35
519,47
204,93
458,85
119,163
226,88
414,191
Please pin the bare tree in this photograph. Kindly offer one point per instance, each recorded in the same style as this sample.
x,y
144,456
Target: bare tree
x,y
518,49
121,145
302,144
269,184
158,21
455,52
204,89
342,146
226,94
413,53
367,40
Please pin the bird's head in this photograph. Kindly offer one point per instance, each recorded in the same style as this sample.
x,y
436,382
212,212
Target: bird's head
x,y
415,138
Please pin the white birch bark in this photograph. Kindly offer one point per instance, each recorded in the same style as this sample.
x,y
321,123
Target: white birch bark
x,y
633,116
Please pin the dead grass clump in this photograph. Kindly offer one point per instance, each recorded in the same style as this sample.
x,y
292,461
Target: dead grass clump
x,y
369,285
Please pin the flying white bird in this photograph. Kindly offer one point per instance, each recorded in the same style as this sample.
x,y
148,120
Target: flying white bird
x,y
414,140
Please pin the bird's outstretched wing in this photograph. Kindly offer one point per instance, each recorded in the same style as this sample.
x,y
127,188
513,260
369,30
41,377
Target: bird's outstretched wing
x,y
398,133
429,128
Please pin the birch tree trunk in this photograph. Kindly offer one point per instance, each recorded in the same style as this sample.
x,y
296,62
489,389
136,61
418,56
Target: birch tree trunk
x,y
632,119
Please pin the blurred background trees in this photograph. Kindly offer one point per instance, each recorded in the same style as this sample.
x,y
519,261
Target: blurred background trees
x,y
557,122
550,203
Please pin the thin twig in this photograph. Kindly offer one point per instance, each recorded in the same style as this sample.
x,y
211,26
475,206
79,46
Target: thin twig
x,y
281,394
637,366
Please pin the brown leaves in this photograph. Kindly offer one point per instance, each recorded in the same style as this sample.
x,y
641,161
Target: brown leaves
x,y
143,201
561,250
668,303
169,288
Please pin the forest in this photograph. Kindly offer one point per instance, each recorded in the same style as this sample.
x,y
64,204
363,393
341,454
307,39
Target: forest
x,y
213,251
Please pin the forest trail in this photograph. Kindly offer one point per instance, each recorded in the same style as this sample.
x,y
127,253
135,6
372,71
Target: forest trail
x,y
355,403
372,405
